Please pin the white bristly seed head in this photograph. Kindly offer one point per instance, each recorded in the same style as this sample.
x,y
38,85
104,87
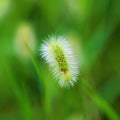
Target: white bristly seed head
x,y
58,53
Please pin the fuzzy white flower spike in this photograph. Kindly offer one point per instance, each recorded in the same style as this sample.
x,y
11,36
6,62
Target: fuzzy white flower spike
x,y
58,53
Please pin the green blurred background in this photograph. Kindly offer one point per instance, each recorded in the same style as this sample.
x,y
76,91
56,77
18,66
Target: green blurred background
x,y
27,88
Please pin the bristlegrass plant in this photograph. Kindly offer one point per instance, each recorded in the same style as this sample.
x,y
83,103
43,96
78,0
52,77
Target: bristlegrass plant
x,y
55,54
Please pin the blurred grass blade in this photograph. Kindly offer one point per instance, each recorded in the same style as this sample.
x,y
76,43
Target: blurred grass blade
x,y
46,87
100,102
38,70
98,41
22,97
107,90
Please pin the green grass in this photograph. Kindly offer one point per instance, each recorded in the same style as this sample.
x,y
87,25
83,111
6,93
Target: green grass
x,y
28,91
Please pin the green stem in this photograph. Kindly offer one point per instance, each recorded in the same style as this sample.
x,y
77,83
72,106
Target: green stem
x,y
42,79
100,102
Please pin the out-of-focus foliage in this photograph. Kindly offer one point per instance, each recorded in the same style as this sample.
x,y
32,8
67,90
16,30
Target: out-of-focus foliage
x,y
27,89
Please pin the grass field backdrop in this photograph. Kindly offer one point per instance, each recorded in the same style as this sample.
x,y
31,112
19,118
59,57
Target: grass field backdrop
x,y
28,90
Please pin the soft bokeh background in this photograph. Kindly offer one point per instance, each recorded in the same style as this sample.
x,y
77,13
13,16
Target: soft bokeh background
x,y
27,89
